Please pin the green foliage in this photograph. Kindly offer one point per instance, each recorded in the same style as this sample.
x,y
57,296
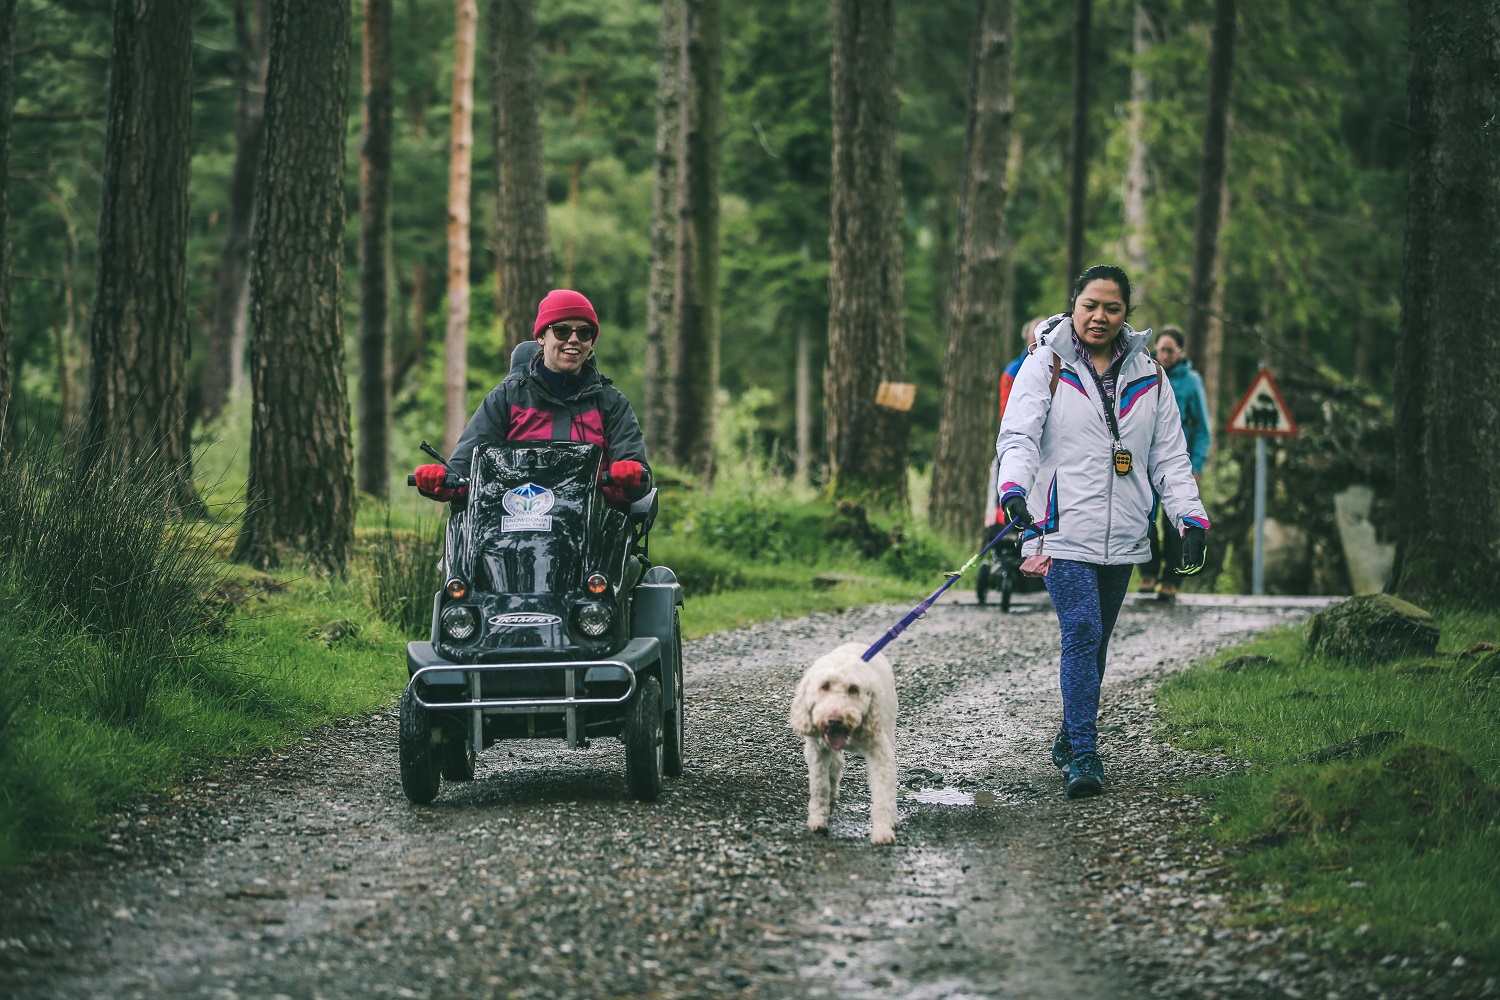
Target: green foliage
x,y
1311,250
403,575
93,552
917,555
126,660
1402,841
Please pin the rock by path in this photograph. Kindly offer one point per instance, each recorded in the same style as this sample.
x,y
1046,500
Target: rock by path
x,y
306,873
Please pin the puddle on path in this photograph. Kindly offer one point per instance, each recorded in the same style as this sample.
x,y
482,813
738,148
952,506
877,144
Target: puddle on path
x,y
953,797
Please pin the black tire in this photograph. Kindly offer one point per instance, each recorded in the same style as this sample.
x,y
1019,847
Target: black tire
x,y
982,582
456,758
419,764
643,742
672,751
1007,586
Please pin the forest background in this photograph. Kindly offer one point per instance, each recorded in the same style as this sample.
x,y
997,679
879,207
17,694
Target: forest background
x,y
1309,267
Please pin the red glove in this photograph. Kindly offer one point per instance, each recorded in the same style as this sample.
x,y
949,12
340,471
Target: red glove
x,y
626,482
430,483
627,475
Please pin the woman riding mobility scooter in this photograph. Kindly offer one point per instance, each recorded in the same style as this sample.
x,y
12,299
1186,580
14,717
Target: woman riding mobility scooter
x,y
551,623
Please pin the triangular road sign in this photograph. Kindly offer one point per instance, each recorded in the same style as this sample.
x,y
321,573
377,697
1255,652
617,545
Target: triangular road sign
x,y
1262,410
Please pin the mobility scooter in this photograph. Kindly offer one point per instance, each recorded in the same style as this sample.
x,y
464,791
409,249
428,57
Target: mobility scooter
x,y
551,623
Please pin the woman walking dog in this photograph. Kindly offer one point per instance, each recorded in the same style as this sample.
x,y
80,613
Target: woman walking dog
x,y
1087,435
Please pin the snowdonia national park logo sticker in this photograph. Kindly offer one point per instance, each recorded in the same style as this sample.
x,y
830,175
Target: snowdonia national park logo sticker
x,y
527,505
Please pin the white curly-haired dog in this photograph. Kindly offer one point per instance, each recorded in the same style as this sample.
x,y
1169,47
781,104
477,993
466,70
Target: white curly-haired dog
x,y
846,703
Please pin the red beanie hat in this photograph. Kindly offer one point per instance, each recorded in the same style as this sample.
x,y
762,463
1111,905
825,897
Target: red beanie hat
x,y
562,303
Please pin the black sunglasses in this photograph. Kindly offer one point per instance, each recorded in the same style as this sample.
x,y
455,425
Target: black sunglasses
x,y
564,332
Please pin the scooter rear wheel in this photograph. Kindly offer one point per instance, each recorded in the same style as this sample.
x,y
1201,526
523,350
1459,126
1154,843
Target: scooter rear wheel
x,y
419,764
673,741
456,759
1007,586
982,582
643,742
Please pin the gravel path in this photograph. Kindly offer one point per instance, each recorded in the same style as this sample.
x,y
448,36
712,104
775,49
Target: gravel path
x,y
306,874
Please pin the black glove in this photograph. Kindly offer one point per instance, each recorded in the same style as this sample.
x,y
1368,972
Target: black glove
x,y
1194,550
1015,510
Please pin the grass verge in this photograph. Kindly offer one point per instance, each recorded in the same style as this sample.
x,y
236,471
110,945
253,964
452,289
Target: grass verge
x,y
1393,851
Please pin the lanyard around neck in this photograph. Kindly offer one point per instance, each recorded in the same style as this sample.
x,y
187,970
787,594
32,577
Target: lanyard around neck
x,y
1105,397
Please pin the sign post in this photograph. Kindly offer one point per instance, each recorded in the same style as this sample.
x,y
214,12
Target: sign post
x,y
1263,413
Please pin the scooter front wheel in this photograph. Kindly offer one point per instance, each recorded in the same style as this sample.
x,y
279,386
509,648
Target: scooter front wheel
x,y
419,764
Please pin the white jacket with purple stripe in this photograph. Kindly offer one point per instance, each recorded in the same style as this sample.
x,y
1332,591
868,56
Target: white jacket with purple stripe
x,y
1057,451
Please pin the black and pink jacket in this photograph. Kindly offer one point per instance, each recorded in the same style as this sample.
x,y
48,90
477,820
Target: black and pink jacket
x,y
524,408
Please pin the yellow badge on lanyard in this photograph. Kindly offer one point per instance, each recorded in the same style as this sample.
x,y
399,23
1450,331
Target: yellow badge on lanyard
x,y
1124,461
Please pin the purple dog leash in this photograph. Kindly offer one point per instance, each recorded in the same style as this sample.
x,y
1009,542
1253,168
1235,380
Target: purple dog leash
x,y
921,609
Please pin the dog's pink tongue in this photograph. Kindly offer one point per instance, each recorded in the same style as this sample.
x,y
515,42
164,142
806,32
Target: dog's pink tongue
x,y
836,739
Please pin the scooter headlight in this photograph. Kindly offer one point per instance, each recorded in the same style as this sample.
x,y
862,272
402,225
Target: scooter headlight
x,y
592,619
459,623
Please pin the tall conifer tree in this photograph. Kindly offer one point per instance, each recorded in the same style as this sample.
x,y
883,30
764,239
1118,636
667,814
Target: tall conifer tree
x,y
695,306
866,327
139,332
374,246
656,414
1448,351
460,172
966,418
224,365
300,498
7,35
524,249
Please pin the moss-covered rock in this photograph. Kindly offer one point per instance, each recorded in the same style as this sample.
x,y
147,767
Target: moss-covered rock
x,y
1373,628
1482,667
1366,745
1420,795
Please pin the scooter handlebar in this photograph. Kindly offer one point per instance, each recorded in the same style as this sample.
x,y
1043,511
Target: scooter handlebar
x,y
450,481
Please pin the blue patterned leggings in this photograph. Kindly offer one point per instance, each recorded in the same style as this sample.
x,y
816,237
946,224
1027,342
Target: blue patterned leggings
x,y
1088,599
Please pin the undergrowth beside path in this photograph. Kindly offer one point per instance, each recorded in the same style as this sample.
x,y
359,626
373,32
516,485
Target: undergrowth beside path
x,y
1386,841
136,654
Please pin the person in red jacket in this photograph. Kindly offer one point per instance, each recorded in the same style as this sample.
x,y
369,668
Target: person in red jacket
x,y
558,395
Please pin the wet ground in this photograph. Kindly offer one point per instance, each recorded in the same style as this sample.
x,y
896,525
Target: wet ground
x,y
307,874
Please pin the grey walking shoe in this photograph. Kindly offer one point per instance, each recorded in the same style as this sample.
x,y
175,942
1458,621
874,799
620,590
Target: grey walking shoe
x,y
1085,776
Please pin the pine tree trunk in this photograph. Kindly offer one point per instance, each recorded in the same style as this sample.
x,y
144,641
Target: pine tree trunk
x,y
1078,138
1211,173
139,331
7,99
1211,352
226,332
1011,340
695,313
971,363
662,278
407,361
1448,347
374,247
300,498
1137,173
866,326
525,250
803,394
460,164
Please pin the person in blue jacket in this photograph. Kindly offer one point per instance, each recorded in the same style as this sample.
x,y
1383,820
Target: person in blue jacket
x,y
1192,403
